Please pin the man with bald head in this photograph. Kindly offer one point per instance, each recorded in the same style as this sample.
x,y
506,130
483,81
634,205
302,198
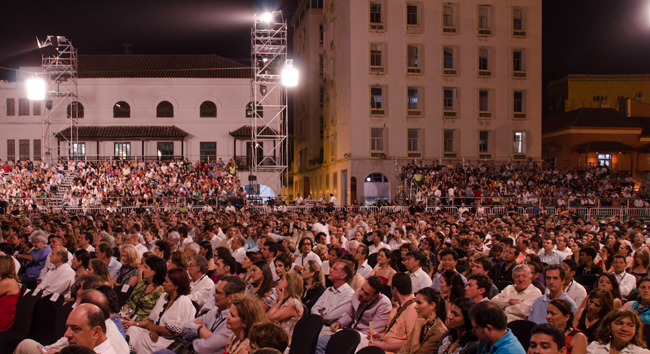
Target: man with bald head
x,y
81,333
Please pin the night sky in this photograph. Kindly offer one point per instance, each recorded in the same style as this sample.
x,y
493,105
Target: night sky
x,y
579,36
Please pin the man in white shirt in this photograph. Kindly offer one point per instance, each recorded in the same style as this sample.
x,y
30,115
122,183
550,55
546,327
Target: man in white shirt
x,y
361,255
419,279
237,244
626,282
211,236
377,244
55,242
134,240
334,201
561,243
317,227
60,279
298,199
335,301
572,288
548,255
85,241
306,255
201,286
517,299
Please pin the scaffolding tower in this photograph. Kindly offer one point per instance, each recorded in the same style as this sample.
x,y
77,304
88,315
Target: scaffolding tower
x,y
268,108
60,75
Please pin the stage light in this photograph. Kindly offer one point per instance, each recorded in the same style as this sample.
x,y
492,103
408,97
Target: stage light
x,y
263,90
36,89
289,75
267,17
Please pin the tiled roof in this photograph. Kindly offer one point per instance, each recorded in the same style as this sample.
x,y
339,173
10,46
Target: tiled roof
x,y
604,146
246,131
161,66
587,117
123,131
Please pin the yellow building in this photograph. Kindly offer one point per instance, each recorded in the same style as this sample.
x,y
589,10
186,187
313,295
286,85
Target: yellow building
x,y
594,91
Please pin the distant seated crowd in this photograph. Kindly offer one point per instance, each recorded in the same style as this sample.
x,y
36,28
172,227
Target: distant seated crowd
x,y
487,183
120,182
409,283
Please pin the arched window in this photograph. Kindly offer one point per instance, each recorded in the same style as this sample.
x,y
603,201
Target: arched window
x,y
75,110
121,110
208,109
249,110
165,110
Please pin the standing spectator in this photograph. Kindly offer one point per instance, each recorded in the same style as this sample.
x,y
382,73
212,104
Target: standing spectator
x,y
489,323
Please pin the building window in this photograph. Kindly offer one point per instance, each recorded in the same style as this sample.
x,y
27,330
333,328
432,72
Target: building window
x,y
37,149
605,160
484,20
11,150
36,108
518,22
377,58
249,110
449,18
23,107
121,110
377,100
519,143
122,150
332,34
321,96
484,62
321,34
449,61
75,110
165,149
321,65
413,102
208,109
413,21
376,18
23,152
449,102
376,139
519,64
519,104
484,141
414,62
413,142
484,105
78,149
448,141
11,106
165,110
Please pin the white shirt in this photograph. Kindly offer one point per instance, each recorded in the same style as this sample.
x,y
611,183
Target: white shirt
x,y
576,292
201,290
141,249
334,302
58,280
116,339
519,311
105,348
301,261
374,249
17,264
419,280
230,209
318,227
49,266
239,254
334,201
626,283
364,269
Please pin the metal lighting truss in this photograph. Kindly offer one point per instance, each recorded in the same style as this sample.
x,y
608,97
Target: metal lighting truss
x,y
60,75
268,108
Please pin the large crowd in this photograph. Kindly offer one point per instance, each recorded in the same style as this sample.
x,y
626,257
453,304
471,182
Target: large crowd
x,y
416,281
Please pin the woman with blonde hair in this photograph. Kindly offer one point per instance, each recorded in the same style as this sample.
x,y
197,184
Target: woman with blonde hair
x,y
621,331
314,283
245,312
178,259
9,292
130,259
289,245
98,267
288,310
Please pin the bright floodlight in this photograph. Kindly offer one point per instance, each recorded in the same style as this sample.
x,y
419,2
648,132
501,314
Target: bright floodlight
x,y
267,17
289,75
36,89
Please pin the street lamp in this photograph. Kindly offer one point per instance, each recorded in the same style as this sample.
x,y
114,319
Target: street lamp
x,y
36,89
289,74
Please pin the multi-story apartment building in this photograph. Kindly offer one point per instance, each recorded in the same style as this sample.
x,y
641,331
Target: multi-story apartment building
x,y
390,81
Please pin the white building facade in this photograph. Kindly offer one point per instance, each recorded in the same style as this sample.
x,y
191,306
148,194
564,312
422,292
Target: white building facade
x,y
138,107
398,80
